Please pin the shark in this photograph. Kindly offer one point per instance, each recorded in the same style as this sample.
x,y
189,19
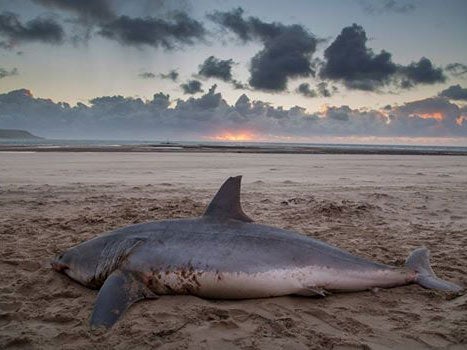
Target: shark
x,y
224,254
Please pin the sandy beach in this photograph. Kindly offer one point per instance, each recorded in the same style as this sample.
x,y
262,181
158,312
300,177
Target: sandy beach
x,y
377,206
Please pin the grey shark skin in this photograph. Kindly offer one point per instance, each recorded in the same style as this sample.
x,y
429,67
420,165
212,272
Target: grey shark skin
x,y
224,255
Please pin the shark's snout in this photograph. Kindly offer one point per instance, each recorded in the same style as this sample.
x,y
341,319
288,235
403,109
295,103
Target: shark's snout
x,y
58,265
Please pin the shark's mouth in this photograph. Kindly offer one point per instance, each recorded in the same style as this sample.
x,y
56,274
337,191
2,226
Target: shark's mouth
x,y
58,266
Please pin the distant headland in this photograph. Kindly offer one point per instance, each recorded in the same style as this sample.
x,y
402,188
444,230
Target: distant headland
x,y
17,134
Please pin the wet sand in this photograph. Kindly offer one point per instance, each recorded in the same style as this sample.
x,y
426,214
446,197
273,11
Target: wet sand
x,y
378,206
219,147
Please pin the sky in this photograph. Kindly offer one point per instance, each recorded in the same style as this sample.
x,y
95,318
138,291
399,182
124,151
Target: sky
x,y
355,71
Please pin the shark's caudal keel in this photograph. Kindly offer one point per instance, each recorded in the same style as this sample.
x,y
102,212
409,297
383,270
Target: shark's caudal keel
x,y
224,255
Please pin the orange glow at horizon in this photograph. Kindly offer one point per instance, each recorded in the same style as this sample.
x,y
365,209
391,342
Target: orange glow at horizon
x,y
460,120
323,109
435,115
235,136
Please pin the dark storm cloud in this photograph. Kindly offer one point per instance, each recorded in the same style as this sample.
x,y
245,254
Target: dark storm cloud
x,y
87,9
285,56
156,32
171,75
455,92
286,53
387,6
213,67
39,29
7,73
456,69
191,87
348,60
422,72
147,75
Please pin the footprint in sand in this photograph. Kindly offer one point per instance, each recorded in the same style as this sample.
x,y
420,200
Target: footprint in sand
x,y
17,343
288,182
239,315
224,325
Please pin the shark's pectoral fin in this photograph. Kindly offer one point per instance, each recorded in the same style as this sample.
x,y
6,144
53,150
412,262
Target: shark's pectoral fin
x,y
312,292
119,291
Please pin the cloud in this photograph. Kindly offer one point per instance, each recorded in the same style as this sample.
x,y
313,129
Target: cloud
x,y
321,89
421,72
87,14
455,92
160,101
5,45
7,73
88,10
306,91
157,8
209,115
211,100
156,32
286,53
283,57
213,67
351,62
433,116
171,75
387,6
238,85
39,29
233,21
191,87
147,75
456,69
348,60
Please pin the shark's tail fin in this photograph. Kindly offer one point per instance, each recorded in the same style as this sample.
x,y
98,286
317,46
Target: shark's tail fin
x,y
419,262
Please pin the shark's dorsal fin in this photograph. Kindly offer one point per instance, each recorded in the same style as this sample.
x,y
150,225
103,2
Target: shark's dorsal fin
x,y
226,202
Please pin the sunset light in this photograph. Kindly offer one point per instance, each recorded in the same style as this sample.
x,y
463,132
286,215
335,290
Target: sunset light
x,y
435,115
235,136
323,109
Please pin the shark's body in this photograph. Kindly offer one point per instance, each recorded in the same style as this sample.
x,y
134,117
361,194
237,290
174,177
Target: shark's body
x,y
224,255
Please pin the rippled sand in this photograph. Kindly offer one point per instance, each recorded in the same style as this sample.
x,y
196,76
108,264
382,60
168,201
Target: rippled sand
x,y
379,207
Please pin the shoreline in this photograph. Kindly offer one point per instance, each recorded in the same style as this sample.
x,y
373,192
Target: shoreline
x,y
273,149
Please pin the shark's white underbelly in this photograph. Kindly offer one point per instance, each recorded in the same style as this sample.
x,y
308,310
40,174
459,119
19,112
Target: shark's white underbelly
x,y
277,282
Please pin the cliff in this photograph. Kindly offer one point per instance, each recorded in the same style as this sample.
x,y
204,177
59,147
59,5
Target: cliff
x,y
17,134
